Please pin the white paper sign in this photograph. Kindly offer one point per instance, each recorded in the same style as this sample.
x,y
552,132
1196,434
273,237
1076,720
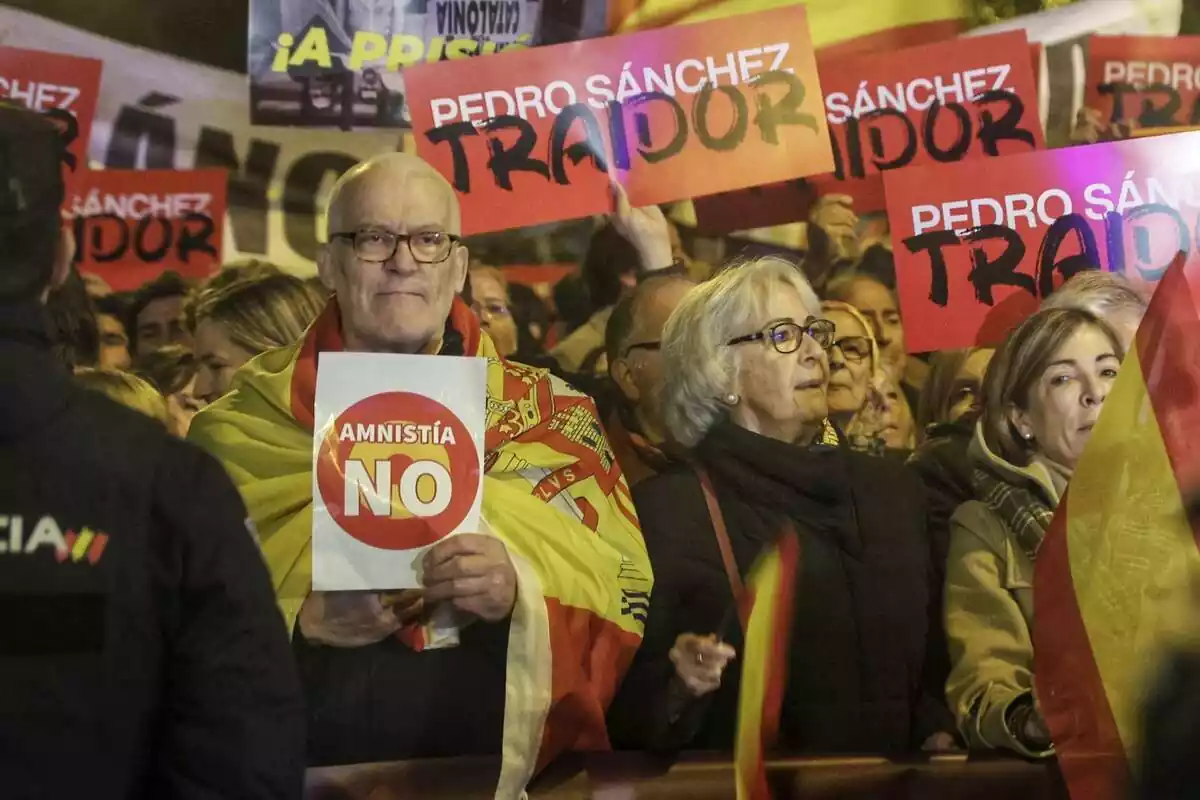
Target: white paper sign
x,y
397,464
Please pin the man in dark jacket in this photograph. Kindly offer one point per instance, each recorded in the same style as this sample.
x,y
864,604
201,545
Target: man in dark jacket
x,y
141,651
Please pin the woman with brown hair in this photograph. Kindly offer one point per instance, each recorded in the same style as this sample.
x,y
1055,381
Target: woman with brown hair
x,y
1042,395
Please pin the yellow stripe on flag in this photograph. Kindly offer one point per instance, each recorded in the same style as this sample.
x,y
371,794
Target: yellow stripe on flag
x,y
81,544
764,663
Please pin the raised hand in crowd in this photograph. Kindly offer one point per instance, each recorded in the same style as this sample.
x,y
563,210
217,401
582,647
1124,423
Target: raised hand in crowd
x,y
646,229
700,661
1091,127
474,573
834,214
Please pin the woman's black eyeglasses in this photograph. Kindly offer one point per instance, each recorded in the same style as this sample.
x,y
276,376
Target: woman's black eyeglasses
x,y
785,337
426,247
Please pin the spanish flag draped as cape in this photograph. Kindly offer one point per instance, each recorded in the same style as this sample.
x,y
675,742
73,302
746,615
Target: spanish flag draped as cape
x,y
1112,577
551,491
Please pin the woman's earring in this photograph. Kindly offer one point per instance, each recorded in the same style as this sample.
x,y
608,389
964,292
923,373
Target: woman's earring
x,y
732,399
1027,437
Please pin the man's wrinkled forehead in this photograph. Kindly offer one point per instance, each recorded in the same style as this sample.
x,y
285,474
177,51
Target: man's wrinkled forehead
x,y
397,197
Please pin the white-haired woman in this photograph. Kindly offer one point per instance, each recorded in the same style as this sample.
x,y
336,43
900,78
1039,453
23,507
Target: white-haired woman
x,y
746,370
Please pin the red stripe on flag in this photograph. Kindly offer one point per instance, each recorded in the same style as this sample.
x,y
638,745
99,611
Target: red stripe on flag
x,y
589,655
1070,690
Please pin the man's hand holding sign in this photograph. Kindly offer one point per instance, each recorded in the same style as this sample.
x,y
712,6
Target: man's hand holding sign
x,y
718,105
474,573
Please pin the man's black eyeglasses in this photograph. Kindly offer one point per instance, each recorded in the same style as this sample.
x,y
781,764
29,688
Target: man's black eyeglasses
x,y
643,346
426,247
786,336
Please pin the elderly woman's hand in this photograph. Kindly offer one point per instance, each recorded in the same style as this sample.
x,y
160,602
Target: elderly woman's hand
x,y
699,662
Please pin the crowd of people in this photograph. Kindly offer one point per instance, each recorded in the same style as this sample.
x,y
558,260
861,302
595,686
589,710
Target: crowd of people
x,y
733,402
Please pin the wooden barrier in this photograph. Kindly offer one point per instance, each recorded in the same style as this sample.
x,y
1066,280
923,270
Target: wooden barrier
x,y
635,776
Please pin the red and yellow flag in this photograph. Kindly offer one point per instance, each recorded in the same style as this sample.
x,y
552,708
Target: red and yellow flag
x,y
768,625
839,27
1112,577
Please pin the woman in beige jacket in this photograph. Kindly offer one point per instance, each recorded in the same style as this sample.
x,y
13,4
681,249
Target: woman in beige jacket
x,y
1042,395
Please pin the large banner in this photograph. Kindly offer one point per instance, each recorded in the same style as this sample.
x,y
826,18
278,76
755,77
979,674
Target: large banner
x,y
340,64
64,88
159,112
131,225
539,136
978,245
1153,81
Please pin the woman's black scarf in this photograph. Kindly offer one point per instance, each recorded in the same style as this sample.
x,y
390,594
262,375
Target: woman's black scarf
x,y
762,483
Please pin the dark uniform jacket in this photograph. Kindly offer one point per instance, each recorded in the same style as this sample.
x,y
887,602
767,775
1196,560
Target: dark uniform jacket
x,y
141,651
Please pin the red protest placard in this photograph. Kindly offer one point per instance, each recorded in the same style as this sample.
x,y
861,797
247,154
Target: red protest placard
x,y
1153,80
64,88
532,137
131,225
978,245
945,102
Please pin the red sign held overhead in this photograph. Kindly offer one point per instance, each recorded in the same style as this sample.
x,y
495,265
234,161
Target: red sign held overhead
x,y
538,136
1151,80
945,102
132,225
398,471
64,88
979,245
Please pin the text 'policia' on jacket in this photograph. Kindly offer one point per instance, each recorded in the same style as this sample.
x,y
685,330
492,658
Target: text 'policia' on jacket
x,y
141,652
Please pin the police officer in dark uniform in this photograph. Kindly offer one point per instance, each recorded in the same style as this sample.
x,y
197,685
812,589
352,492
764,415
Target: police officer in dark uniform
x,y
141,651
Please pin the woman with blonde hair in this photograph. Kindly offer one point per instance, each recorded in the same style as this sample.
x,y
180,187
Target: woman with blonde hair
x,y
490,302
863,401
236,321
125,388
